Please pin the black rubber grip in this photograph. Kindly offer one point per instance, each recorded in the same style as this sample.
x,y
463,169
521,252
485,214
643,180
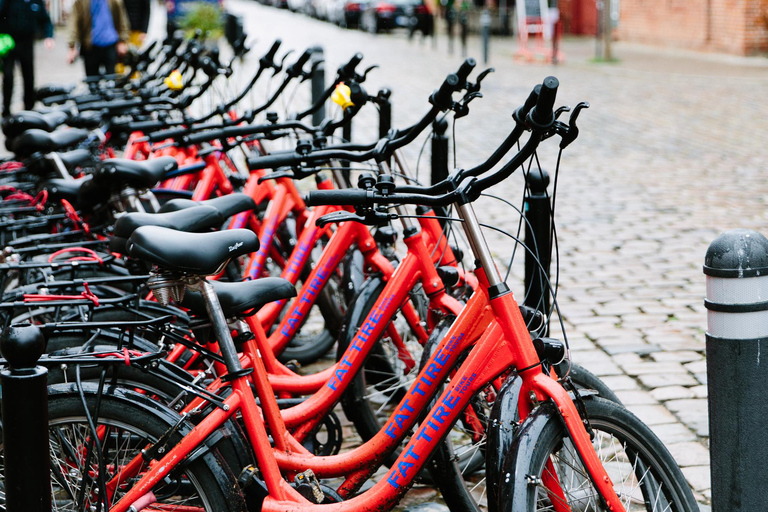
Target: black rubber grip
x,y
167,134
270,56
442,97
146,126
466,68
111,105
204,136
350,196
79,100
530,102
274,161
348,69
296,68
209,67
542,112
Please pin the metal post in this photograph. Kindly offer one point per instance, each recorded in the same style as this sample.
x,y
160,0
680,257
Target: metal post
x,y
439,158
736,265
450,19
25,421
538,238
485,26
463,23
318,84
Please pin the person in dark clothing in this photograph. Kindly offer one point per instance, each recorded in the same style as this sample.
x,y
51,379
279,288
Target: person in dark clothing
x,y
100,29
24,20
138,19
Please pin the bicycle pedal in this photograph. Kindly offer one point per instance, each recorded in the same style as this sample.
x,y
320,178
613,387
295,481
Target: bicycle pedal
x,y
309,487
293,365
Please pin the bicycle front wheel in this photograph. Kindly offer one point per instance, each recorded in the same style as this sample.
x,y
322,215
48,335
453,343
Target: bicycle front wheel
x,y
644,474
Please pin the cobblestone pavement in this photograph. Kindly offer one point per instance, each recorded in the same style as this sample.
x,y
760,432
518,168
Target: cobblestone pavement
x,y
670,155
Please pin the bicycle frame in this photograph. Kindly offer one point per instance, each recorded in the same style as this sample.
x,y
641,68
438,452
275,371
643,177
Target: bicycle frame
x,y
504,345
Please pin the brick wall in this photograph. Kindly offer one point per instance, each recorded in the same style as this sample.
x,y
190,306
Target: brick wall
x,y
732,26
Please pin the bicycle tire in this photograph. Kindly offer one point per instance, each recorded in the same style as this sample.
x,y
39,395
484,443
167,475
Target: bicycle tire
x,y
127,417
653,482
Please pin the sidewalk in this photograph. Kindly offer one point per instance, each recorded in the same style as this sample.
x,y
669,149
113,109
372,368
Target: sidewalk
x,y
672,152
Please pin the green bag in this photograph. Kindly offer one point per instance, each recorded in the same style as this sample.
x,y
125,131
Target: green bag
x,y
6,45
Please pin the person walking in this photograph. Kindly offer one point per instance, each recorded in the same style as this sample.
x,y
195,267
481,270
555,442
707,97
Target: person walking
x,y
100,29
24,20
138,18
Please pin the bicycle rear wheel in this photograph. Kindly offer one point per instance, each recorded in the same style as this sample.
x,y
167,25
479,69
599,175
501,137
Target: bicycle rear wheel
x,y
204,483
644,474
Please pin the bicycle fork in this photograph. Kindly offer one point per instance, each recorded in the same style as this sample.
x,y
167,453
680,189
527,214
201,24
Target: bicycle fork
x,y
536,384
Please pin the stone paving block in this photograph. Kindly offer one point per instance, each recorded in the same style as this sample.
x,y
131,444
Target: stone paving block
x,y
639,349
700,391
672,393
652,414
698,477
601,368
692,412
696,366
657,380
680,356
689,454
635,397
620,382
701,377
645,368
670,433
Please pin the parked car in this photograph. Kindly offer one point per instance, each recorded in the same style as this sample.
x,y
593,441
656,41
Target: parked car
x,y
381,15
346,13
302,6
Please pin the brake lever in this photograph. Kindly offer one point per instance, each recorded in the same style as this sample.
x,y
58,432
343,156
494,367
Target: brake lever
x,y
476,86
562,110
279,67
361,78
573,130
461,109
276,175
370,218
306,75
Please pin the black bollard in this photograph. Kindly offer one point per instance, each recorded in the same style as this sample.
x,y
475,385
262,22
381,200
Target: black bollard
x,y
485,27
464,24
25,421
450,18
736,266
318,84
538,238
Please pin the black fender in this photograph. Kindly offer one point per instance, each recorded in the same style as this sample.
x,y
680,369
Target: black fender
x,y
502,427
512,484
225,446
367,291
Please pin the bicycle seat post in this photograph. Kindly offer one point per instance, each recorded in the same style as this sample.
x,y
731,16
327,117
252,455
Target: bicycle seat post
x,y
219,322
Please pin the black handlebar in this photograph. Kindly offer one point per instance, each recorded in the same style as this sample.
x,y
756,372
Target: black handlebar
x,y
542,114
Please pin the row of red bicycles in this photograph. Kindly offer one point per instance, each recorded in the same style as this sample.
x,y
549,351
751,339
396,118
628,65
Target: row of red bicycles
x,y
214,311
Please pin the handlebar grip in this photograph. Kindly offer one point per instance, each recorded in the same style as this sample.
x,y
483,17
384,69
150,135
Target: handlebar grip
x,y
274,161
466,68
145,54
209,67
270,56
348,69
442,97
204,136
542,113
349,196
167,134
146,126
296,68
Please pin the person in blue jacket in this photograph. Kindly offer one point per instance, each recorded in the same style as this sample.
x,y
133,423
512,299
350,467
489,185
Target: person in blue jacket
x,y
25,21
